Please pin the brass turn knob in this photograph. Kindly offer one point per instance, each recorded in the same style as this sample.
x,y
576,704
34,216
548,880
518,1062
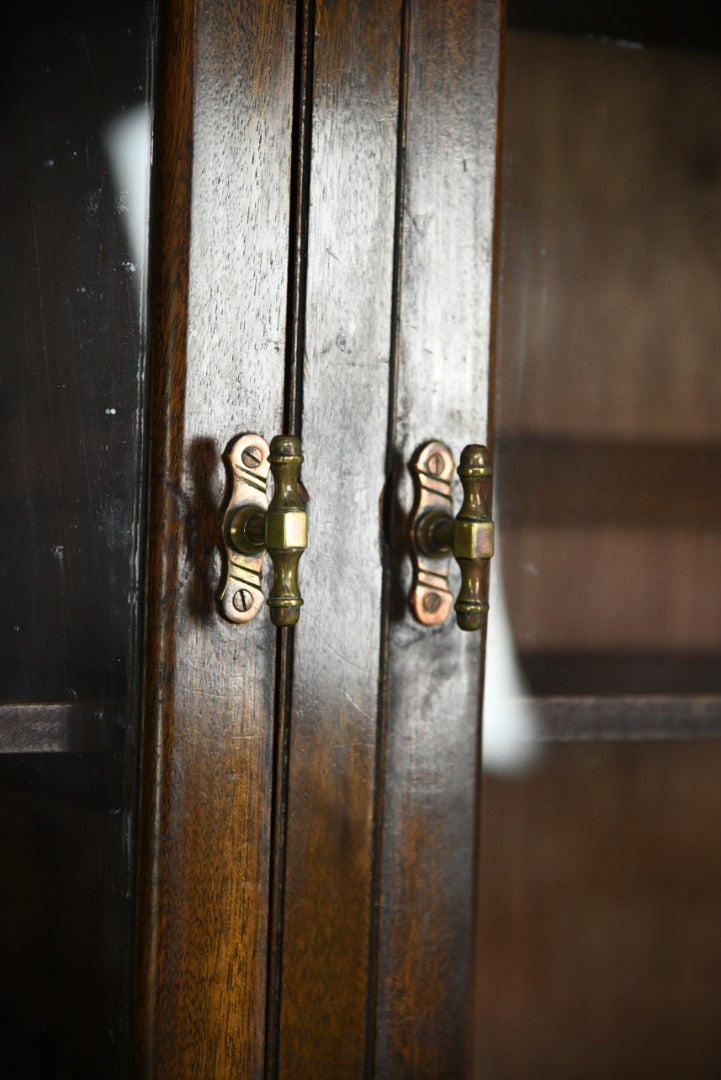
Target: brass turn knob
x,y
252,526
286,530
436,535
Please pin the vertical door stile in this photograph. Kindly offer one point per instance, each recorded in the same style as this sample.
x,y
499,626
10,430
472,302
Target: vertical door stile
x,y
326,984
221,233
292,425
431,772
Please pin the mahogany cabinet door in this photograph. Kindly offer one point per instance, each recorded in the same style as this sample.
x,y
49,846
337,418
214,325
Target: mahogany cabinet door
x,y
323,238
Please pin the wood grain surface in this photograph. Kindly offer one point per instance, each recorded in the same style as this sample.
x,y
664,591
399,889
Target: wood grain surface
x,y
329,854
431,771
262,858
223,163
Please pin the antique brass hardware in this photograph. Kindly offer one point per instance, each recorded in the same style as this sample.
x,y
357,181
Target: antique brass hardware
x,y
435,535
252,526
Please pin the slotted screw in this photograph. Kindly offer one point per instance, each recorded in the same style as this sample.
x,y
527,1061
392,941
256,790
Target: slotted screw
x,y
242,600
251,457
431,602
435,464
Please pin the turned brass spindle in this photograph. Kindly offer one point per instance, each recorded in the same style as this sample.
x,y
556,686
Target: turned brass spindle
x,y
472,538
251,527
285,530
436,535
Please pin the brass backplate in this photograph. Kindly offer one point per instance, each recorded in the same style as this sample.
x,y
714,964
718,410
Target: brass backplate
x,y
249,463
432,471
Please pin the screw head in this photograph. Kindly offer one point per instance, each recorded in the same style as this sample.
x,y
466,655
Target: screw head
x,y
435,464
242,600
431,603
251,457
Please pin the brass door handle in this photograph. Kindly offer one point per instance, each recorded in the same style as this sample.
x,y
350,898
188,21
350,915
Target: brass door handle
x,y
251,526
435,535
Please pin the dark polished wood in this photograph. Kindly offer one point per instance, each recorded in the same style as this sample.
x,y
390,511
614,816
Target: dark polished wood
x,y
324,218
330,853
223,172
430,772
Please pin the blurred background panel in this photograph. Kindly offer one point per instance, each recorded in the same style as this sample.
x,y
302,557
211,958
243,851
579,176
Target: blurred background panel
x,y
600,921
609,387
600,900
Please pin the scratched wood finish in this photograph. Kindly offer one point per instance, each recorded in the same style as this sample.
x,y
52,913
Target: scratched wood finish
x,y
223,158
329,853
430,791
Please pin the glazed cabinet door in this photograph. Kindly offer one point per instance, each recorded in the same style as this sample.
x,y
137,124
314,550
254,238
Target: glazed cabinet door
x,y
323,247
74,111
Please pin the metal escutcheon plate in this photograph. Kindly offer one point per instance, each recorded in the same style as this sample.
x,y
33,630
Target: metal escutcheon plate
x,y
241,597
432,469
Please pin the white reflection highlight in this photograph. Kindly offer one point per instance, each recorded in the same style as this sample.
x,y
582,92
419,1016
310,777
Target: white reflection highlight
x,y
510,724
126,139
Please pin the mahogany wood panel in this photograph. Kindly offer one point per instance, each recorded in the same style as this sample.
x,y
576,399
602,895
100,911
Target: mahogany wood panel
x,y
431,775
224,146
329,854
351,996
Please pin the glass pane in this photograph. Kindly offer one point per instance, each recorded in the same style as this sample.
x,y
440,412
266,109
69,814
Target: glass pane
x,y
600,873
608,461
74,167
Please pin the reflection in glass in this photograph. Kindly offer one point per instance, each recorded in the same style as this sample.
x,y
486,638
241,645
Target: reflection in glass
x,y
600,939
608,419
73,188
